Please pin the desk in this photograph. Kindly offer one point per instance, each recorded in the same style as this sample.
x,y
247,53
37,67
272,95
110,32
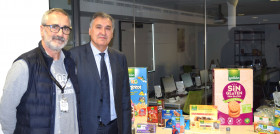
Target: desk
x,y
248,129
177,105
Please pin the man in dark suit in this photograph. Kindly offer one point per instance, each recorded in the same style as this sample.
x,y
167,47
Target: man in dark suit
x,y
97,104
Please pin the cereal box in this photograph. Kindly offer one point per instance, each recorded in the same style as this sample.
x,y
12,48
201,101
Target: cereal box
x,y
138,90
233,94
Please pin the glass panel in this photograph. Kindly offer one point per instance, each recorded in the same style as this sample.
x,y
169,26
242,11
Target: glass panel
x,y
245,34
169,36
143,54
66,5
178,37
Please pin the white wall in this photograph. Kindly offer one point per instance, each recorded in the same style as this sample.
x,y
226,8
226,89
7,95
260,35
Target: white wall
x,y
168,60
19,30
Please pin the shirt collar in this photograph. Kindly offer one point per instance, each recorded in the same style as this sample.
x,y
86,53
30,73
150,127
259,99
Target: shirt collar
x,y
96,51
61,57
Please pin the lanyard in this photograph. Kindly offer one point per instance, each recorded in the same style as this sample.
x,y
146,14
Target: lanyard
x,y
51,76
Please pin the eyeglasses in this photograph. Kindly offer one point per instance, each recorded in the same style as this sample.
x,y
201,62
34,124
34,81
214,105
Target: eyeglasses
x,y
56,28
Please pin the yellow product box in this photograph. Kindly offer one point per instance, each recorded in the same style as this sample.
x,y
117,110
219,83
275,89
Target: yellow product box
x,y
203,117
233,93
209,125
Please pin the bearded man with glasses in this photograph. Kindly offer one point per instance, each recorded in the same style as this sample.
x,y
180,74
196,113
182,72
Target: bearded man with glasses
x,y
41,93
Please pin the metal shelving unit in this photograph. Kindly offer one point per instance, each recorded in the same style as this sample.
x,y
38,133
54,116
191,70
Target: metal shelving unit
x,y
249,47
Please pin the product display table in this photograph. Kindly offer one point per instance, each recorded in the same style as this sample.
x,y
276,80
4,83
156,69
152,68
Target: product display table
x,y
248,129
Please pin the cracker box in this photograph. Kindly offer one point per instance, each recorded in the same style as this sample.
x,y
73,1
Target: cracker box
x,y
233,94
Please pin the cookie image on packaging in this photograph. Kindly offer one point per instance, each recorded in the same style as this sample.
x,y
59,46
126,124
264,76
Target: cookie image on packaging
x,y
233,109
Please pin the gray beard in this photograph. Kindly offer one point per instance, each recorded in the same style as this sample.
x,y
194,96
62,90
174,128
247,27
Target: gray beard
x,y
51,46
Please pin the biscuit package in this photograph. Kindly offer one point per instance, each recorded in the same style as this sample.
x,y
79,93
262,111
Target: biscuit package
x,y
178,125
233,94
160,105
138,90
204,117
169,113
152,114
146,128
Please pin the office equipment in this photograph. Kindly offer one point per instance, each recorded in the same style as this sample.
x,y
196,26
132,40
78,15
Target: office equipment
x,y
187,80
158,92
168,84
204,76
181,88
197,81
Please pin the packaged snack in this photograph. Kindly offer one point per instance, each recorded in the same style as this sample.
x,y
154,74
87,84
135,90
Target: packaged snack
x,y
152,114
187,124
146,128
167,114
138,90
204,117
168,123
161,122
178,125
233,94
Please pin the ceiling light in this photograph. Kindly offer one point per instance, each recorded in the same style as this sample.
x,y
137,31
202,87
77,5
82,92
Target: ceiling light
x,y
274,0
255,17
240,14
265,19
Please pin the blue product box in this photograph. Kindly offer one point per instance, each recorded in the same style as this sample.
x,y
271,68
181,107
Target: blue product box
x,y
168,123
178,125
168,114
187,124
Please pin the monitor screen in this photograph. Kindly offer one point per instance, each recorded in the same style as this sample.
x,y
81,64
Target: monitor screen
x,y
168,84
204,76
187,80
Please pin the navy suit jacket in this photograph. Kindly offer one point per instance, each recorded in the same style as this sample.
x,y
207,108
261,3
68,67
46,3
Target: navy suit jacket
x,y
90,91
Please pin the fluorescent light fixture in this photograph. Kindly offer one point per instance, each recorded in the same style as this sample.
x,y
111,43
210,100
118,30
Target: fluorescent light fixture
x,y
265,19
274,0
255,17
240,14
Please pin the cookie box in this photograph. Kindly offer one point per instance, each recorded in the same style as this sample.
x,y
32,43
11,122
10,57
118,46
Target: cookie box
x,y
233,94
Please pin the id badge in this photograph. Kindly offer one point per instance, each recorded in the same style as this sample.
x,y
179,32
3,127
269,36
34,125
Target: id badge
x,y
64,105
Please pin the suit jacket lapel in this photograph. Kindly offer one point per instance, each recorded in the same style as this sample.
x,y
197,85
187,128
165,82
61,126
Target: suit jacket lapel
x,y
114,69
92,65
